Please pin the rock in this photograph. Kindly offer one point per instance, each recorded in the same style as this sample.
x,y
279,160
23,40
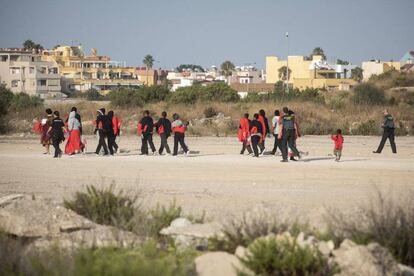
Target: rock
x,y
30,218
300,238
9,198
195,235
364,260
241,252
219,263
324,248
406,270
45,224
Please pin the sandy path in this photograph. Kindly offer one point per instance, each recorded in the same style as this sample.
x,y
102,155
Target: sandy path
x,y
217,179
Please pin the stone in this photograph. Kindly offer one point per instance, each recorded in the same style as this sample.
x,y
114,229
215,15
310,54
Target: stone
x,y
241,252
180,222
219,263
324,248
364,260
406,270
30,218
5,200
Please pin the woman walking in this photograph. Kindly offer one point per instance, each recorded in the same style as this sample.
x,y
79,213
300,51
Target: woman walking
x,y
74,144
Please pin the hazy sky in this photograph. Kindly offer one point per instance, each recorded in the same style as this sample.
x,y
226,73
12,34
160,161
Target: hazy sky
x,y
211,31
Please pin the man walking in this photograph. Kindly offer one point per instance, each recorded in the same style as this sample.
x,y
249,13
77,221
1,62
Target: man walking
x,y
256,133
276,129
101,121
147,127
388,126
163,127
287,134
244,134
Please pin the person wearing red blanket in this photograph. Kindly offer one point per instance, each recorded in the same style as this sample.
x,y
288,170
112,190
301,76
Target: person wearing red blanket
x,y
73,145
265,130
244,134
338,141
116,126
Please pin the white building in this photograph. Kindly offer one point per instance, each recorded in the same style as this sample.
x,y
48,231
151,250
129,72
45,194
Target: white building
x,y
23,71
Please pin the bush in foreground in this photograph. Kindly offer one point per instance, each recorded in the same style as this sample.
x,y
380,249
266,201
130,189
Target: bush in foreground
x,y
384,221
103,206
268,256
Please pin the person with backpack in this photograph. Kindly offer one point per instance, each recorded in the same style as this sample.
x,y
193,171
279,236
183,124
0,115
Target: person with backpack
x,y
179,129
256,134
56,130
146,126
116,126
244,134
101,129
163,128
389,128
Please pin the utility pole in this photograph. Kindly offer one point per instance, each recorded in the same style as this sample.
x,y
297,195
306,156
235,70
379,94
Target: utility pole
x,y
287,64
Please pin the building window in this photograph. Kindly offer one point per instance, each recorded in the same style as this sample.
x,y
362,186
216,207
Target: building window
x,y
4,58
31,70
53,70
14,70
41,82
15,83
53,82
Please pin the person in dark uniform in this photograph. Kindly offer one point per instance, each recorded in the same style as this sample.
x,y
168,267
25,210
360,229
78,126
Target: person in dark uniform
x,y
389,128
147,127
101,120
163,128
256,133
265,130
287,134
56,130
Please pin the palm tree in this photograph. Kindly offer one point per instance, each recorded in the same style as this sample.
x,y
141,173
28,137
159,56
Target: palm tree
x,y
149,62
227,68
29,45
356,74
282,73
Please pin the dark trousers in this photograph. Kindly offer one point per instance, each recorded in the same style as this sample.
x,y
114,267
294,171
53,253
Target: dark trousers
x,y
56,145
111,143
278,144
102,142
164,143
255,144
147,139
179,138
262,145
388,134
244,147
288,138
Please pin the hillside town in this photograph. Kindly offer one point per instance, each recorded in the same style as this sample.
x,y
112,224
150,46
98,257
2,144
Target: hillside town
x,y
67,70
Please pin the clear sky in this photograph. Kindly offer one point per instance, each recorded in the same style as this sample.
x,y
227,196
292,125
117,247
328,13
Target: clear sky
x,y
210,31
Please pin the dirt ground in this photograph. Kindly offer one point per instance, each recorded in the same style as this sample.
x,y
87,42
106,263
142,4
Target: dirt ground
x,y
216,178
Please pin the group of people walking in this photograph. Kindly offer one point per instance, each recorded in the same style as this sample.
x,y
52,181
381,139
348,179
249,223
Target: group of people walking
x,y
251,133
284,128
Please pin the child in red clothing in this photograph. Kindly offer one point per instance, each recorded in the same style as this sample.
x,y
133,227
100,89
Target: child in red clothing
x,y
339,141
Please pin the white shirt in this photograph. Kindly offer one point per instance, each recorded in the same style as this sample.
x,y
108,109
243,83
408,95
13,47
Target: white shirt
x,y
276,125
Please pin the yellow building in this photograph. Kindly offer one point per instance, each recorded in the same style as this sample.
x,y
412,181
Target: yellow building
x,y
315,73
80,72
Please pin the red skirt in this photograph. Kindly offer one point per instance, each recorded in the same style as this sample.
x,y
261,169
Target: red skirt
x,y
74,142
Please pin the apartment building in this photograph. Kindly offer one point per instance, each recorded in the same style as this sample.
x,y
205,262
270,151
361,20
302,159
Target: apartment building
x,y
23,71
81,72
314,73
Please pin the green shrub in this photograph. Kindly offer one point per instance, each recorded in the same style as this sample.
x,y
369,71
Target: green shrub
x,y
268,256
385,221
219,92
146,260
93,95
244,231
6,97
23,101
369,127
162,216
103,206
186,95
128,97
368,94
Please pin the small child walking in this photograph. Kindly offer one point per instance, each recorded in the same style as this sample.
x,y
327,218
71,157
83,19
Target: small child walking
x,y
338,141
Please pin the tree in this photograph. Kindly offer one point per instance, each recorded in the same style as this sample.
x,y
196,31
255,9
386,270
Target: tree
x,y
342,62
29,45
356,74
227,68
189,67
148,61
282,73
318,51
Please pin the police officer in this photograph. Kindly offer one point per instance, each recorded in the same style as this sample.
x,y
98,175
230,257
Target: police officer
x,y
287,134
388,126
